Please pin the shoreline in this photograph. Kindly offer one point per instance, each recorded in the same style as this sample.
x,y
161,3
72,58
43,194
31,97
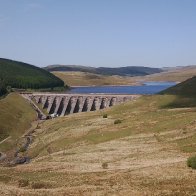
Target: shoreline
x,y
141,83
102,85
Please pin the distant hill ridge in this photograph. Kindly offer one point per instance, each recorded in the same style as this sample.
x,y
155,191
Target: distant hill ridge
x,y
121,71
22,75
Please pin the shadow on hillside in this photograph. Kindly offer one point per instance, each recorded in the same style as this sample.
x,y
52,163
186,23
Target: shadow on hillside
x,y
181,102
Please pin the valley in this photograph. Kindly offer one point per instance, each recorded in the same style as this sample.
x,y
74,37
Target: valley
x,y
139,146
76,78
97,98
145,153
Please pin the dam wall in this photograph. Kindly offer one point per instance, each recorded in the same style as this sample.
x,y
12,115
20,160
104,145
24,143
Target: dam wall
x,y
65,104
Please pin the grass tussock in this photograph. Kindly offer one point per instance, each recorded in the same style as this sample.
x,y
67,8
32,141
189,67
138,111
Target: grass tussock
x,y
23,183
118,121
191,162
105,115
105,165
40,185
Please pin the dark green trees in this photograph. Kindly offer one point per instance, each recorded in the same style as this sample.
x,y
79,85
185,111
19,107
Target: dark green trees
x,y
21,75
3,89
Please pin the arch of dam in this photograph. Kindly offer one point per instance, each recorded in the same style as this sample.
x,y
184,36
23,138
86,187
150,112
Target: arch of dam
x,y
64,104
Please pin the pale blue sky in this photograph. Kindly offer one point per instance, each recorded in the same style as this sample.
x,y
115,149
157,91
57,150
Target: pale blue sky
x,y
110,33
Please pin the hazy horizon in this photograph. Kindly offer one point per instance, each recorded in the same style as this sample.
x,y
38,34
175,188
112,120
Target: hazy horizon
x,y
57,64
111,33
119,66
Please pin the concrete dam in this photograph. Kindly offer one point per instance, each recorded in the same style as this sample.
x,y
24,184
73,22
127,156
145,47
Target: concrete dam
x,y
65,104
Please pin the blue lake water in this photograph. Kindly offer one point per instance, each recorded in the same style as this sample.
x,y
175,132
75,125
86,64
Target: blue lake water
x,y
147,88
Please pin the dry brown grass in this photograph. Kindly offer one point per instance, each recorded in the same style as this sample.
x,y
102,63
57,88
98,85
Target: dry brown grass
x,y
89,79
144,153
16,116
176,75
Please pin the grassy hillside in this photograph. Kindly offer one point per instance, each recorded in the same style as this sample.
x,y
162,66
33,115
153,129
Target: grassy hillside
x,y
186,88
21,75
145,153
74,78
137,117
121,71
16,116
185,93
88,79
176,74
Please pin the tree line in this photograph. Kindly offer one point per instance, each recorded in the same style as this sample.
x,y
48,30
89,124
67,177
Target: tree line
x,y
3,89
25,76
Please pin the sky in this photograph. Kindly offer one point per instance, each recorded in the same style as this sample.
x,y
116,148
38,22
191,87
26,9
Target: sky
x,y
107,33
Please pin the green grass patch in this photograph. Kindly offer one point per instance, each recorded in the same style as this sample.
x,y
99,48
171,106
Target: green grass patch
x,y
117,121
16,117
181,102
191,162
146,115
5,178
188,144
186,88
107,135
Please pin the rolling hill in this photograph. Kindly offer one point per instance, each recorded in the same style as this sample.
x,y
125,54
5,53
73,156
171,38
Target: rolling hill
x,y
22,75
121,71
186,88
145,153
77,78
16,117
175,74
185,93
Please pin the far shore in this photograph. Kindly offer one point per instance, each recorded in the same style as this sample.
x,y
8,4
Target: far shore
x,y
139,83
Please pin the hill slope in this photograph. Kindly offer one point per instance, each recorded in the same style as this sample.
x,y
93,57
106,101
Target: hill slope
x,y
121,71
186,88
72,78
22,75
185,93
15,117
177,74
146,152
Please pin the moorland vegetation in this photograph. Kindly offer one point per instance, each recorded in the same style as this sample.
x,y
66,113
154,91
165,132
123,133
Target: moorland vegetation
x,y
142,146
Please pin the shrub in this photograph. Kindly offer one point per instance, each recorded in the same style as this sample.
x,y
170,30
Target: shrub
x,y
9,89
118,121
22,149
3,89
23,183
40,185
105,165
157,137
105,116
49,150
191,162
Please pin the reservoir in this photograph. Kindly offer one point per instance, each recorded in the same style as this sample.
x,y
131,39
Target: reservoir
x,y
147,88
